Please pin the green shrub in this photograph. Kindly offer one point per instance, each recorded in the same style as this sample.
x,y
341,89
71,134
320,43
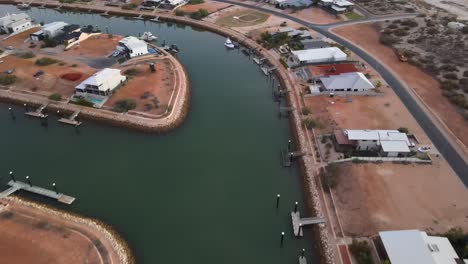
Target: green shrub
x,y
27,55
179,12
110,36
49,43
200,14
449,85
45,61
7,79
361,252
305,110
450,76
403,130
129,6
124,105
459,241
74,65
309,123
196,2
55,97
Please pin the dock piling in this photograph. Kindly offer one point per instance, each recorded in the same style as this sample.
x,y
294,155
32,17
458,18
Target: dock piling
x,y
303,253
12,176
277,200
299,230
289,145
11,113
295,207
282,239
55,188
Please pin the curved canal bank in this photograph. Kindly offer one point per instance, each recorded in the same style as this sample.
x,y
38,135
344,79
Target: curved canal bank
x,y
295,122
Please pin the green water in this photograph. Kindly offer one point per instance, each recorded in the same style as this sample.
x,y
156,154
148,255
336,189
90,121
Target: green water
x,y
204,193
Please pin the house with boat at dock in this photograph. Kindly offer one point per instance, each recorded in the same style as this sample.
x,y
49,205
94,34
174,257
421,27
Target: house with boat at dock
x,y
14,23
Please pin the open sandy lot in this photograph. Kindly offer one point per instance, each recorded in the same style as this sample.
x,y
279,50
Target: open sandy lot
x,y
157,86
376,197
242,18
19,40
48,83
29,236
210,6
314,15
95,46
367,37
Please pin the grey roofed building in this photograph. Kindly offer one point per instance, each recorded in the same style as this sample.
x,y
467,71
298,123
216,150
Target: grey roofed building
x,y
314,44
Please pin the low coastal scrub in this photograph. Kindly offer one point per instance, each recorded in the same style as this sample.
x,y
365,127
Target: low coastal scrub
x,y
329,176
459,241
129,6
45,61
132,72
179,12
200,14
196,2
7,79
124,105
27,55
309,123
55,97
361,252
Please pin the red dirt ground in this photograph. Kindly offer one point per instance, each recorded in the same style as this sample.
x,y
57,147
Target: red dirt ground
x,y
71,76
210,6
367,37
95,47
315,15
18,40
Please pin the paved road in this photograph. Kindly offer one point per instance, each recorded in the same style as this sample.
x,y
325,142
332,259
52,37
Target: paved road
x,y
437,137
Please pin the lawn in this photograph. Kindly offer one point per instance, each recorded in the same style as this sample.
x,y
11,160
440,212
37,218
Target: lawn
x,y
353,16
243,18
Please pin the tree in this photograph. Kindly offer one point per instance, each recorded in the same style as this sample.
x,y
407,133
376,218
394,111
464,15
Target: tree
x,y
403,130
361,252
459,241
124,105
200,14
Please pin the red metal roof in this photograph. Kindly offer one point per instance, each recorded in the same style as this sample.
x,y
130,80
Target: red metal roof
x,y
331,69
341,138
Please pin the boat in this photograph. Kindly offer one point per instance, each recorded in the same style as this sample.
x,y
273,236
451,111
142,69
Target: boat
x,y
148,36
229,44
23,6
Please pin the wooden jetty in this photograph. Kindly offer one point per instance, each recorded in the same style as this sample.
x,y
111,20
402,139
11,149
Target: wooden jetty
x,y
18,185
259,60
38,113
105,14
71,120
267,70
298,223
302,260
140,17
156,19
287,157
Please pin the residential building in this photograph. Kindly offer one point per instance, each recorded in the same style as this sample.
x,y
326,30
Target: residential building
x,y
53,29
291,3
331,54
167,4
390,143
303,34
345,82
416,247
133,47
314,44
60,31
13,23
101,83
337,6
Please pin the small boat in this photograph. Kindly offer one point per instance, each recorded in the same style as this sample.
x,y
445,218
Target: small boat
x,y
229,44
23,6
148,36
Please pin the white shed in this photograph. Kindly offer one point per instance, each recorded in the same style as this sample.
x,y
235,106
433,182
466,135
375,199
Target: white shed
x,y
53,29
330,54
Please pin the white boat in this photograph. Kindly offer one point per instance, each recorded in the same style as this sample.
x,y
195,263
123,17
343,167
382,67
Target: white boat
x,y
23,6
148,36
229,44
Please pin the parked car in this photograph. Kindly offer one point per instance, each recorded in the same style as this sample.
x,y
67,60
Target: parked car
x,y
9,71
38,73
9,48
424,149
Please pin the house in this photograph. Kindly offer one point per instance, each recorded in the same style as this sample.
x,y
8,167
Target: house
x,y
337,6
345,82
101,83
133,47
415,247
291,3
167,4
303,34
14,23
390,143
331,54
60,31
314,44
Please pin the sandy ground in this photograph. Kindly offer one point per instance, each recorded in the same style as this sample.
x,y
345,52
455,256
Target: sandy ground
x,y
29,236
376,197
211,6
314,15
161,88
95,47
367,37
48,83
19,39
456,7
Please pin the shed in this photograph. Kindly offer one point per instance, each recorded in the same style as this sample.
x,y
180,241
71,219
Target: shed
x,y
330,54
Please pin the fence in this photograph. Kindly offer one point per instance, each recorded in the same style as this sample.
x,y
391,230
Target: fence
x,y
383,159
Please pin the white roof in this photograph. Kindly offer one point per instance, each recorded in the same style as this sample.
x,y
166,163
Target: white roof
x,y
99,78
133,43
57,25
324,54
412,247
353,80
394,146
338,9
342,3
382,135
10,18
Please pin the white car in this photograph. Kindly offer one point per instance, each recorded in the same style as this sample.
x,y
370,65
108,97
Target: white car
x,y
424,149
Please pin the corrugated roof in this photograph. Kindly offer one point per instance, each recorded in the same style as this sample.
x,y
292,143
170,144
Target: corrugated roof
x,y
352,80
394,146
325,54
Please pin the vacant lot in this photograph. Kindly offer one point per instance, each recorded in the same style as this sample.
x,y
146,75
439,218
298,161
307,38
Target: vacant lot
x,y
367,37
242,18
314,15
210,6
95,46
19,40
151,91
376,197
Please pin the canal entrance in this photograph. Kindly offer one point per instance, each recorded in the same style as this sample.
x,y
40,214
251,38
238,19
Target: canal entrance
x,y
204,193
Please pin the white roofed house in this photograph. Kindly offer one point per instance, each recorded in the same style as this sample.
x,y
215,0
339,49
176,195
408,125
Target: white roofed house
x,y
13,23
133,47
390,143
324,55
101,83
291,3
415,247
349,82
337,6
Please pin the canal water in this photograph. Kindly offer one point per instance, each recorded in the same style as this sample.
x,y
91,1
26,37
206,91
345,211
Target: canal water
x,y
204,193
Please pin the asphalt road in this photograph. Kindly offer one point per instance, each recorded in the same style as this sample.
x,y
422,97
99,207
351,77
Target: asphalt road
x,y
437,137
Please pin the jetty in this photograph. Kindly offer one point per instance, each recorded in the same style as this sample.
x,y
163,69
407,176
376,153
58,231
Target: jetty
x,y
287,157
298,223
18,185
302,260
267,70
140,17
156,19
259,60
38,113
71,120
